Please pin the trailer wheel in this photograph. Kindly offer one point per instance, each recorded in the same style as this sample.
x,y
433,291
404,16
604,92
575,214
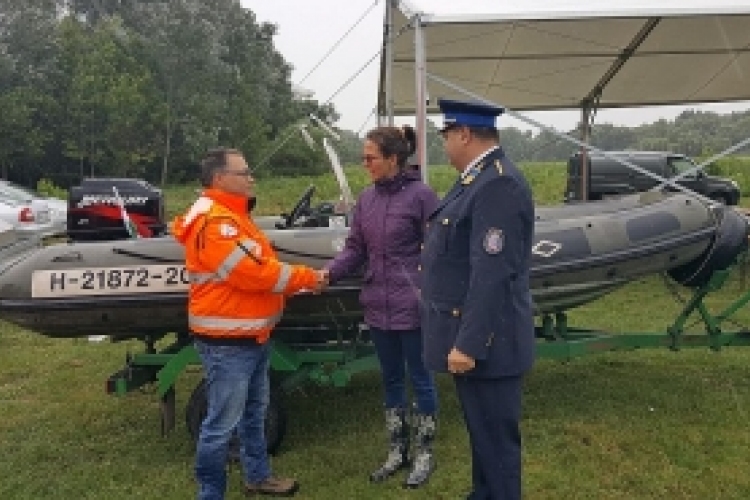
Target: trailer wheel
x,y
275,425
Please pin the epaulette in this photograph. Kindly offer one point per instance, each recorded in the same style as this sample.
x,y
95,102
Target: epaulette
x,y
499,167
472,173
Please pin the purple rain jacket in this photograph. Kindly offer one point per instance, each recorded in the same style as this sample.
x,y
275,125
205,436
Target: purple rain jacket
x,y
386,235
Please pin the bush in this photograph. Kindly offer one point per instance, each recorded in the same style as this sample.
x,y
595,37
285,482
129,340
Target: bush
x,y
47,188
736,168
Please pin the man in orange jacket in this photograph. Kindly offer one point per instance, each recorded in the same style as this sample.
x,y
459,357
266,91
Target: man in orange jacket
x,y
237,294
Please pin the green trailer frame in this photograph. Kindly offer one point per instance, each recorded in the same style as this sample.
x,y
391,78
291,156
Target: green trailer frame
x,y
346,351
326,355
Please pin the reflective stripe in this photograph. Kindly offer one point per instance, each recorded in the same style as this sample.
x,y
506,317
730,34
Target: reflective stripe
x,y
233,324
201,206
234,258
203,278
284,275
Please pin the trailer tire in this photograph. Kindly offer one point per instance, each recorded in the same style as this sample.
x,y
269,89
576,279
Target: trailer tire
x,y
275,425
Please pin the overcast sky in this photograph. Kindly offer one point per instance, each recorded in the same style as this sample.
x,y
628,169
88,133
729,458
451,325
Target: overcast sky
x,y
307,30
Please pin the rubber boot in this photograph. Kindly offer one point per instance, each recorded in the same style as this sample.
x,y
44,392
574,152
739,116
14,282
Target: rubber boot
x,y
398,451
424,460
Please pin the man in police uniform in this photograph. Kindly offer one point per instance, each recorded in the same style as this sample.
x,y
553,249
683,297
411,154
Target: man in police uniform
x,y
477,317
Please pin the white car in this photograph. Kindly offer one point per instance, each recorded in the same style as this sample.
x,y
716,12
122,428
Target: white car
x,y
49,214
28,218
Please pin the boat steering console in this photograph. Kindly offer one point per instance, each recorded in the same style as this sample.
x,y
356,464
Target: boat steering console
x,y
301,208
304,215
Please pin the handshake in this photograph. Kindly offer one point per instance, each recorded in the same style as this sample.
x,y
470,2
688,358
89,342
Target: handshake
x,y
323,280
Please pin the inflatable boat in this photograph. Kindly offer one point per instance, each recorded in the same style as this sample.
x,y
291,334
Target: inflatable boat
x,y
137,288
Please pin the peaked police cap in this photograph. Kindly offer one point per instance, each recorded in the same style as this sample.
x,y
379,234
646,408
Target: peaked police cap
x,y
468,113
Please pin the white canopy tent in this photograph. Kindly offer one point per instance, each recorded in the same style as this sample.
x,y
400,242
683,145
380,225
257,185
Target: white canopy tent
x,y
579,54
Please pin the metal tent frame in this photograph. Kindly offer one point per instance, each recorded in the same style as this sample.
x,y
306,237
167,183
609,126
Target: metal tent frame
x,y
605,57
567,342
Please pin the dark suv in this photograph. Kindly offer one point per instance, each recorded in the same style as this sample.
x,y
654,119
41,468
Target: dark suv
x,y
608,177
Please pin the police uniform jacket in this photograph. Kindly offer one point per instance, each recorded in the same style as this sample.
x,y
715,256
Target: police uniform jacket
x,y
475,269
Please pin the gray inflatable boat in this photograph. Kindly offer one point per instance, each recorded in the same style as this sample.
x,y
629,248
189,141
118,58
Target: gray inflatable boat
x,y
138,288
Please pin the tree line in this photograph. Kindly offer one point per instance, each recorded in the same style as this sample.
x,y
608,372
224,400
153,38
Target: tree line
x,y
693,133
698,134
142,88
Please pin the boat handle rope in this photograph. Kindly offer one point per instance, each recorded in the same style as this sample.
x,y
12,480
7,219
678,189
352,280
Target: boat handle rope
x,y
152,258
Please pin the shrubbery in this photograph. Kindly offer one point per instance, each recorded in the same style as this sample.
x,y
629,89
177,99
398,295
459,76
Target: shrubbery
x,y
47,188
734,167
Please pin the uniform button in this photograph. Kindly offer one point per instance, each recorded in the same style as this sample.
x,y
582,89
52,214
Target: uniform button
x,y
421,246
456,313
446,222
419,267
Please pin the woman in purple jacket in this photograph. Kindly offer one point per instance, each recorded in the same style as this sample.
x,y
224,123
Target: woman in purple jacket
x,y
386,235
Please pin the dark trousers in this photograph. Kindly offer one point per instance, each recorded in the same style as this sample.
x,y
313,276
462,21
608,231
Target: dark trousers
x,y
492,410
396,350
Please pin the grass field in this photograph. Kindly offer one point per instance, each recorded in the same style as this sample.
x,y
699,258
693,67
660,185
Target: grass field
x,y
643,424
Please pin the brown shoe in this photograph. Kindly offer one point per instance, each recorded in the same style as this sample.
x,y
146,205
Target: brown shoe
x,y
275,486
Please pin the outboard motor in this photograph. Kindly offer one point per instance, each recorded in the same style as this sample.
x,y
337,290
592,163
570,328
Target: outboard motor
x,y
95,209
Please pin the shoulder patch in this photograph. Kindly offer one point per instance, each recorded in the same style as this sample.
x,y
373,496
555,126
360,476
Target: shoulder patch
x,y
494,241
228,230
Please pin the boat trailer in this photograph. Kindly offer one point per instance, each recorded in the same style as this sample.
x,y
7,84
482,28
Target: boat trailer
x,y
332,354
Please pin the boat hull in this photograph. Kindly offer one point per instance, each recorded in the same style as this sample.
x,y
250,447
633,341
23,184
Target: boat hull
x,y
138,288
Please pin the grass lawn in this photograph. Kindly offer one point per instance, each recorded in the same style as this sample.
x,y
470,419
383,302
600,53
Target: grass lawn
x,y
626,425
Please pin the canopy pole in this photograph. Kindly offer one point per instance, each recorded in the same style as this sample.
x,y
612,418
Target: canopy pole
x,y
586,139
387,119
421,94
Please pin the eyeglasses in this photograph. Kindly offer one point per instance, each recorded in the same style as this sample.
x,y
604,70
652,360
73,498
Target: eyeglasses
x,y
370,158
239,173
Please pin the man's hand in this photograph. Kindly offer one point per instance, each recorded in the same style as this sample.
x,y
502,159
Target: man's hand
x,y
323,280
459,362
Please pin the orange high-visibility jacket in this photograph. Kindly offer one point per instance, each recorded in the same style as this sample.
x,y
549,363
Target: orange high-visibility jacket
x,y
237,285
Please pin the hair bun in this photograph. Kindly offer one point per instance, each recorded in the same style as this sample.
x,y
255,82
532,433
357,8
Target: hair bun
x,y
411,137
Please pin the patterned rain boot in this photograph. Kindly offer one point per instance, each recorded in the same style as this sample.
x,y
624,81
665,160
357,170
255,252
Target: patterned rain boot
x,y
398,451
424,460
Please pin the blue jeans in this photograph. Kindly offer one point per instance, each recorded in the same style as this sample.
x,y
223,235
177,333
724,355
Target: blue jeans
x,y
395,349
238,393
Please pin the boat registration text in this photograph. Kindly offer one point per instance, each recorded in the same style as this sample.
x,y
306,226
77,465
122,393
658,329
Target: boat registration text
x,y
109,281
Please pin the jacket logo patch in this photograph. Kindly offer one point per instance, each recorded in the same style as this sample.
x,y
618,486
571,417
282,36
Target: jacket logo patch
x,y
228,230
494,241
